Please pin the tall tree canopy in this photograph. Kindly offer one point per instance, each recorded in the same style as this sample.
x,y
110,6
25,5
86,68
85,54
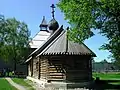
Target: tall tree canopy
x,y
78,14
103,15
14,40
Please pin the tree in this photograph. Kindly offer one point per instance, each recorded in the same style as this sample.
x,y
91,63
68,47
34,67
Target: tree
x,y
14,40
102,15
104,61
78,14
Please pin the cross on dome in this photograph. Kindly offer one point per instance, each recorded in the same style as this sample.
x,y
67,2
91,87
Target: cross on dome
x,y
53,6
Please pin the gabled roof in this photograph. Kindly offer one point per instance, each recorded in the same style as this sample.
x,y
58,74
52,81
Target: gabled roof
x,y
61,45
58,44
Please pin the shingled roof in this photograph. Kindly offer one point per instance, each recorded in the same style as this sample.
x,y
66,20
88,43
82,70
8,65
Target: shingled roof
x,y
39,39
61,45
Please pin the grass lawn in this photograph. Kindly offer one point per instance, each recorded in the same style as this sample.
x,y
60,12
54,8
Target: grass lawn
x,y
107,76
4,85
22,82
114,77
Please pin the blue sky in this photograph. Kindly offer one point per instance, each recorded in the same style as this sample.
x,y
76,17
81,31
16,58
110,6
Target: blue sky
x,y
32,11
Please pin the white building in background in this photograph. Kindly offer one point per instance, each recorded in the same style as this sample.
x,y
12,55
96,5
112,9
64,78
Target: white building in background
x,y
41,36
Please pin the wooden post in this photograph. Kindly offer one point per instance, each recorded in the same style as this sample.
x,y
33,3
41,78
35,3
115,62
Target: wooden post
x,y
32,66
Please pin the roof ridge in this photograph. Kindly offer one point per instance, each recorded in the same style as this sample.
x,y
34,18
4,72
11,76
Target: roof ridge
x,y
67,39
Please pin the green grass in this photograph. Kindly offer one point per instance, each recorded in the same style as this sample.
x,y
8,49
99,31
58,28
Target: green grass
x,y
107,76
22,82
4,85
115,83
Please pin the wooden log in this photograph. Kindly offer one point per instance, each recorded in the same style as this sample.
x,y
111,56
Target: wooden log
x,y
56,73
53,79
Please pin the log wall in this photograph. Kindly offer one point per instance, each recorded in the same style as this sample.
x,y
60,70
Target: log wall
x,y
78,69
56,70
43,68
65,68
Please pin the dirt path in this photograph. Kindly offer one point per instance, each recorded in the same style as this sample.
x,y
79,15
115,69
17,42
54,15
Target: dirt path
x,y
19,87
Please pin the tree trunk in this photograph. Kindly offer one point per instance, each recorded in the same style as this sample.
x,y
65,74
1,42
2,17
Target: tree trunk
x,y
14,65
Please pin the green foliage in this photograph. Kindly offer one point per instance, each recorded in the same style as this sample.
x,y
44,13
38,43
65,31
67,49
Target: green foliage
x,y
78,13
110,26
14,40
102,15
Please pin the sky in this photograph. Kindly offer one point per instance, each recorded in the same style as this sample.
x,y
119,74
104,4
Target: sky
x,y
32,11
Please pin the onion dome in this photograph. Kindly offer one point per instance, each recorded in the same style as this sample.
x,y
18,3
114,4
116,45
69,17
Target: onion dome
x,y
53,25
43,25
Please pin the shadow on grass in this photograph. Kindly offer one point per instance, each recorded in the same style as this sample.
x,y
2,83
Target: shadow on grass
x,y
105,85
